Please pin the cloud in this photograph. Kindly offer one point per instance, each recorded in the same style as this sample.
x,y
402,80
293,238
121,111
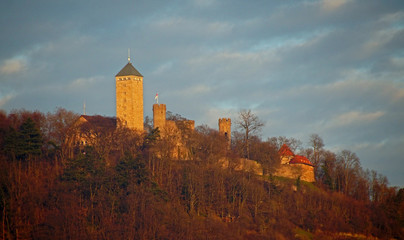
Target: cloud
x,y
163,68
5,99
303,66
379,39
398,94
195,90
233,67
377,86
204,3
356,88
212,115
331,5
355,117
392,18
384,155
187,28
397,62
11,66
81,83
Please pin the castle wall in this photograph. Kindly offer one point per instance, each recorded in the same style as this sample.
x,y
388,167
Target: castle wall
x,y
176,131
129,101
249,166
286,159
242,164
294,171
187,124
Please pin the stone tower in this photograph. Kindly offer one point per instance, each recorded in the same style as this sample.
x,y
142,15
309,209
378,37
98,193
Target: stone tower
x,y
129,97
159,116
225,128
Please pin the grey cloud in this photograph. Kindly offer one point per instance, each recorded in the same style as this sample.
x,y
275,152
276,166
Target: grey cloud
x,y
299,66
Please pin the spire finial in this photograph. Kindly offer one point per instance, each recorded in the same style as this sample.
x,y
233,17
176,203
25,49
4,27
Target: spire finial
x,y
84,107
128,54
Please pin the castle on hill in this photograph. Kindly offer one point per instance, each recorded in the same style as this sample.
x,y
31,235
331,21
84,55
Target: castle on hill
x,y
129,104
129,114
294,166
129,111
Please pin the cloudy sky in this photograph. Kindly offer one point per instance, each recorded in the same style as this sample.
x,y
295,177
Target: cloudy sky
x,y
331,67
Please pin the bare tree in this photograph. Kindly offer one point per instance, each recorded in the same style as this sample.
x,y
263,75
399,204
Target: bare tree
x,y
293,143
250,124
349,165
328,173
317,143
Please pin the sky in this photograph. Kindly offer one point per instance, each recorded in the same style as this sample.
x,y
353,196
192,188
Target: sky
x,y
329,67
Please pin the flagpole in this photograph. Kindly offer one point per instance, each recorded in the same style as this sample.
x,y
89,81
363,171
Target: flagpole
x,y
157,98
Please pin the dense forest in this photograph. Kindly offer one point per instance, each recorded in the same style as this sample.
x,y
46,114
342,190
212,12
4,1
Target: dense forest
x,y
127,186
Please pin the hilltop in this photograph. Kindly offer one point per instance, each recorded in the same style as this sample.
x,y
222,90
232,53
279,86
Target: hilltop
x,y
127,185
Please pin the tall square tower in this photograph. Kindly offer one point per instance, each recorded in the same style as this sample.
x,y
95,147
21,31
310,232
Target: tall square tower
x,y
129,98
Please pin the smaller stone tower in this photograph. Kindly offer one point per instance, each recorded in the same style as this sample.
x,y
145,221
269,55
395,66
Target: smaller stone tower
x,y
225,128
159,116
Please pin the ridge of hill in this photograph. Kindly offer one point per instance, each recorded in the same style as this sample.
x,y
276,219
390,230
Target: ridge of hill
x,y
126,186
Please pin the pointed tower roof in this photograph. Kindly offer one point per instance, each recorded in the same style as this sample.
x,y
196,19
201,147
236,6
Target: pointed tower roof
x,y
129,70
285,151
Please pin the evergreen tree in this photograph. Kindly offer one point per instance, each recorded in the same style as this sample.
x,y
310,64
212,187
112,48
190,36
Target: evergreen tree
x,y
24,143
11,143
131,170
85,172
30,138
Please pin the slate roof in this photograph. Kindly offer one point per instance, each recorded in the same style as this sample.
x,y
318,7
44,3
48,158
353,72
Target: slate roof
x,y
285,151
298,159
129,70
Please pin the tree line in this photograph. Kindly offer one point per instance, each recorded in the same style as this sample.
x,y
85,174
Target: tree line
x,y
126,185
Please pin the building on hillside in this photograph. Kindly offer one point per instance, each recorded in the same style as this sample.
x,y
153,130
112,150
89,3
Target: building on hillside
x,y
87,130
129,114
129,105
285,154
129,97
176,133
294,166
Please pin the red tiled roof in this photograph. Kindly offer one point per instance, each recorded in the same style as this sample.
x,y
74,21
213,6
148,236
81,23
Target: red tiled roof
x,y
100,121
285,151
298,159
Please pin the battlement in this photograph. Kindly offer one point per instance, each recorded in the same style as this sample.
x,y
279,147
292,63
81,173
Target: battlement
x,y
224,120
161,105
224,125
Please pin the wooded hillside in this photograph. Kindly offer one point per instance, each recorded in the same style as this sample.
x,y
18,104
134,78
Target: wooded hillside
x,y
126,187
